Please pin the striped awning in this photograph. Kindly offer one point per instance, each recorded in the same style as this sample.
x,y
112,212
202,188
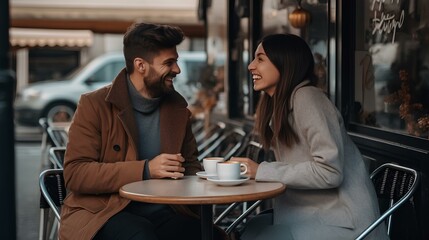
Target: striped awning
x,y
24,37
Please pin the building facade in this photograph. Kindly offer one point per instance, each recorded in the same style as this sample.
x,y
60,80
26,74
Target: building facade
x,y
372,61
68,34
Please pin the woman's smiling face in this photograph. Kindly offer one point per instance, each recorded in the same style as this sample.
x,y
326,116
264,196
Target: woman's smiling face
x,y
265,75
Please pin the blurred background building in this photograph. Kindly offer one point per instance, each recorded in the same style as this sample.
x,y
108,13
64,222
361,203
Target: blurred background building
x,y
51,38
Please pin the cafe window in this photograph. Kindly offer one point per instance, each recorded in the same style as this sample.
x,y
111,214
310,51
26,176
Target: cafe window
x,y
226,75
51,64
213,75
290,17
391,62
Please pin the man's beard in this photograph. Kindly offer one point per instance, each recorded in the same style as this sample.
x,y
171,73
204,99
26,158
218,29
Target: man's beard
x,y
157,86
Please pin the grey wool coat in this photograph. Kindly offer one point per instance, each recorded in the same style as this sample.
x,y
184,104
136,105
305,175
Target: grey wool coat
x,y
328,191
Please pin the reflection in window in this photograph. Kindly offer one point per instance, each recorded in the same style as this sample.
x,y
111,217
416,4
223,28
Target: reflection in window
x,y
316,33
392,66
209,93
51,64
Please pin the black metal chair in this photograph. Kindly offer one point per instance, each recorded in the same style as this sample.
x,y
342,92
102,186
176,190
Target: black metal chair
x,y
208,136
226,145
393,183
197,126
56,155
53,192
58,135
46,141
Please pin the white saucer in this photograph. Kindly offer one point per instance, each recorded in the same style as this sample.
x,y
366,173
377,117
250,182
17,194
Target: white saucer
x,y
203,174
216,180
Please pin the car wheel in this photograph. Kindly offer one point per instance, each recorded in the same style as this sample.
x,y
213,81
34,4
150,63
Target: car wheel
x,y
60,113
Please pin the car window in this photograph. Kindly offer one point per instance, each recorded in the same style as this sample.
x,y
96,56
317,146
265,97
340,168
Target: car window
x,y
107,73
74,73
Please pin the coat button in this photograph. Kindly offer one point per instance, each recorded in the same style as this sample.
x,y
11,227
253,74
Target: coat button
x,y
117,148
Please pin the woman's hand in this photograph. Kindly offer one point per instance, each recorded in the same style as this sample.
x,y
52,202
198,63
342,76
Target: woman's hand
x,y
252,166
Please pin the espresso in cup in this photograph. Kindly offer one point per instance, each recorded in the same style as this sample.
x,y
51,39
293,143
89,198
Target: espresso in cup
x,y
209,165
230,170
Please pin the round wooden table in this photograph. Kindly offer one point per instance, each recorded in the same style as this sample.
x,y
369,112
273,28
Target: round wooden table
x,y
193,190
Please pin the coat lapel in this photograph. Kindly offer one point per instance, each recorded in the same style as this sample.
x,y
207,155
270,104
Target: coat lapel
x,y
302,84
173,120
119,96
173,115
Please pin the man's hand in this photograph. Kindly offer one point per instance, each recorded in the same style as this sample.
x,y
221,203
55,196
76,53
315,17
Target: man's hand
x,y
166,166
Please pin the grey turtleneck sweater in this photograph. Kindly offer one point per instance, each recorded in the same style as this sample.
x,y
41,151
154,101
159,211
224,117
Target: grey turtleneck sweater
x,y
146,112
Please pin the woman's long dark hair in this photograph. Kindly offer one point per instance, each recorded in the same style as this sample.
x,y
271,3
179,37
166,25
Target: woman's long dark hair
x,y
293,58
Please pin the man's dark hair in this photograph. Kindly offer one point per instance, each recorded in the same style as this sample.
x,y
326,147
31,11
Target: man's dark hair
x,y
145,40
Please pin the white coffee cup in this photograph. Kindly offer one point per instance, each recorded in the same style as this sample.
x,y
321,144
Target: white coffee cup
x,y
209,164
230,170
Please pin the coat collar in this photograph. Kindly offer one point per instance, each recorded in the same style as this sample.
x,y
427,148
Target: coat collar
x,y
173,114
292,97
118,95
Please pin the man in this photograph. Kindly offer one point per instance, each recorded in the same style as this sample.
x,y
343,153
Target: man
x,y
135,129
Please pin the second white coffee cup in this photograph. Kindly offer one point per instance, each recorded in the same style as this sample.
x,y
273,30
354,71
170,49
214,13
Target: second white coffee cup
x,y
230,170
209,164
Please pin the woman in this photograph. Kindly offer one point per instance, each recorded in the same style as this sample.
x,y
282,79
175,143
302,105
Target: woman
x,y
329,194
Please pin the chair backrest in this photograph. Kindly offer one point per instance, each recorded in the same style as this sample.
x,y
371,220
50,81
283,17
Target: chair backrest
x,y
197,126
396,184
253,150
43,124
56,155
53,189
47,140
58,136
208,136
226,145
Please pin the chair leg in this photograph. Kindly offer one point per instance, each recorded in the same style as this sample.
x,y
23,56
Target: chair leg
x,y
45,158
44,216
243,216
54,230
244,209
50,224
44,148
225,212
389,219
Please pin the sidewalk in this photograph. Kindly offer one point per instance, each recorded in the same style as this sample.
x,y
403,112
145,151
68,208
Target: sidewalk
x,y
28,167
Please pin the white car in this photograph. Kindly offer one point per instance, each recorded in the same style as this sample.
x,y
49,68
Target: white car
x,y
56,100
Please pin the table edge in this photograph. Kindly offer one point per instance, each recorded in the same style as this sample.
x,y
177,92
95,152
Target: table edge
x,y
203,200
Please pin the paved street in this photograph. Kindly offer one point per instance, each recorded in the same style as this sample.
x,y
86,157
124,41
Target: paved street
x,y
28,166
